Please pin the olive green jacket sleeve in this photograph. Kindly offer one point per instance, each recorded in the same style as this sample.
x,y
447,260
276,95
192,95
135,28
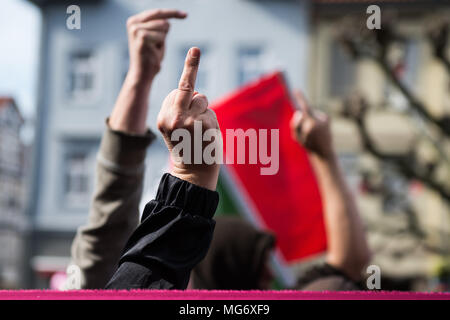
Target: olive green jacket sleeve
x,y
114,211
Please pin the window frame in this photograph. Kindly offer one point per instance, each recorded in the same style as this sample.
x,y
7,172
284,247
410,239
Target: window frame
x,y
92,96
72,146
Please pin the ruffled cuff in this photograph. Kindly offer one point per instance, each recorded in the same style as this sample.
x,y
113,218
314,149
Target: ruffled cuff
x,y
194,199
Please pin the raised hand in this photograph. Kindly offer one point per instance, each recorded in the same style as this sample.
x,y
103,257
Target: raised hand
x,y
147,33
347,248
311,128
185,119
146,40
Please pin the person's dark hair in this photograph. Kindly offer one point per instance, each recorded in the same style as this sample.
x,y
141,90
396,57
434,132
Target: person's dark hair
x,y
236,257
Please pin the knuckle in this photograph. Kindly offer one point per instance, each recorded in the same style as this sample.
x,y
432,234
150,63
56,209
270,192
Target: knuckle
x,y
130,21
140,34
185,85
141,44
189,123
160,125
133,30
202,96
141,40
174,124
166,25
202,99
156,12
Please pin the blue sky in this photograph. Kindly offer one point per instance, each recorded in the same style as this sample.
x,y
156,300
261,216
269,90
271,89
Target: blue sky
x,y
19,36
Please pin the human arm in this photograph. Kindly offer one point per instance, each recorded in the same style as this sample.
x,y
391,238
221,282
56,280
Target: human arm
x,y
347,245
147,33
176,228
114,212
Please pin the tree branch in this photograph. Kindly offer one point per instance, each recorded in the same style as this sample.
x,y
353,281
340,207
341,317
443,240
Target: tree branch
x,y
358,50
439,38
404,163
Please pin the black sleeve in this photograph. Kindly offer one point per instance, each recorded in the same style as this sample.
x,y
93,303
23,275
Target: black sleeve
x,y
174,236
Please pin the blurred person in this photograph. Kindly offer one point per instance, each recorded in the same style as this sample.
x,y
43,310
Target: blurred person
x,y
238,258
347,249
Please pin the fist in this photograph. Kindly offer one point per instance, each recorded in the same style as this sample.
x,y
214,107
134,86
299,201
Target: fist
x,y
190,129
147,33
311,128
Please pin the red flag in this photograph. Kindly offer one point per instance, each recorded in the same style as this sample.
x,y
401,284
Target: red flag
x,y
288,202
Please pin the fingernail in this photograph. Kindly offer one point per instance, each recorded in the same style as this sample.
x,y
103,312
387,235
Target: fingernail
x,y
195,52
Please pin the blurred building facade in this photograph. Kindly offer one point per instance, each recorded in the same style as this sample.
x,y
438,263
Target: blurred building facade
x,y
81,74
13,223
393,220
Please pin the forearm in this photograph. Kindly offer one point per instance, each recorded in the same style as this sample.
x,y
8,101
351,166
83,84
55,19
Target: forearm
x,y
130,111
347,245
174,236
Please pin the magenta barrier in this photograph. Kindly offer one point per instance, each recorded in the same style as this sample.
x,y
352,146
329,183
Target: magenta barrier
x,y
216,295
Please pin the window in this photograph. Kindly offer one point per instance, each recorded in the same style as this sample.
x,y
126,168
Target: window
x,y
342,70
79,166
10,150
77,178
251,64
10,255
13,202
83,75
10,118
202,84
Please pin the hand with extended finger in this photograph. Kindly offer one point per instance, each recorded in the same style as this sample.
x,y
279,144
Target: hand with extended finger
x,y
185,122
311,128
147,33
